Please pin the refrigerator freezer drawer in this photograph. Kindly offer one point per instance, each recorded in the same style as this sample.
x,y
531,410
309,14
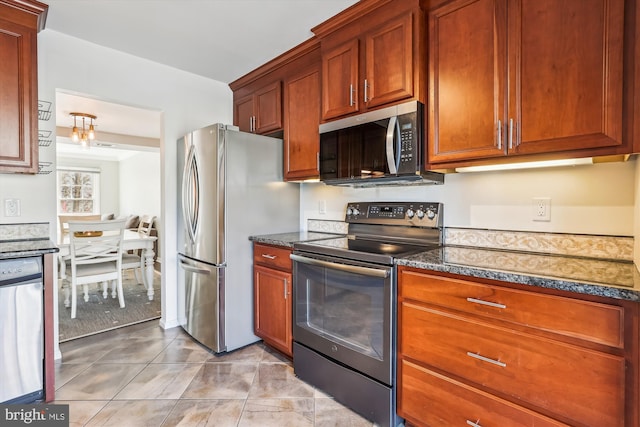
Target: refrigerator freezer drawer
x,y
200,293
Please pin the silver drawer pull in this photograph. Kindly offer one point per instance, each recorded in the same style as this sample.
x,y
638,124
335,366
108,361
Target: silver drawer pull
x,y
476,424
486,359
489,303
269,256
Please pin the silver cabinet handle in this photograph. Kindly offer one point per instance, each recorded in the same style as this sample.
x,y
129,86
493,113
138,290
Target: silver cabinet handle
x,y
486,359
351,95
499,144
510,134
489,303
286,282
269,256
364,271
474,424
366,86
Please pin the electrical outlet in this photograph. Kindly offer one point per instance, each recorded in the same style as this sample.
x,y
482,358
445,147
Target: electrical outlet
x,y
541,209
11,207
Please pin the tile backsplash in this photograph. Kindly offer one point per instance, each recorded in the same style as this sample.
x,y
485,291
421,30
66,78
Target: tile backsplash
x,y
34,230
580,245
592,246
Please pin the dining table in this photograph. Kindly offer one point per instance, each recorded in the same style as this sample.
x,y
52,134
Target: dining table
x,y
132,240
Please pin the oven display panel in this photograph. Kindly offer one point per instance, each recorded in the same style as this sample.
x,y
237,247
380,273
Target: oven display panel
x,y
382,211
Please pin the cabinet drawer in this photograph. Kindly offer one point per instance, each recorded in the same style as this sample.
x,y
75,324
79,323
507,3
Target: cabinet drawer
x,y
436,400
566,316
583,385
272,256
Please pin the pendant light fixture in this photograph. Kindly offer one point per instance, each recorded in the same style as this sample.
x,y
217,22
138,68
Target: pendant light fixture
x,y
83,135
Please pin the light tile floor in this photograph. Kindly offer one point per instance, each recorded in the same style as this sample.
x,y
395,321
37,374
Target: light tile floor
x,y
143,375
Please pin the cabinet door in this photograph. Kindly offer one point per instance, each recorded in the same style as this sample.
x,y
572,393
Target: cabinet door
x,y
272,305
565,74
268,102
18,99
243,113
340,80
302,141
388,75
467,80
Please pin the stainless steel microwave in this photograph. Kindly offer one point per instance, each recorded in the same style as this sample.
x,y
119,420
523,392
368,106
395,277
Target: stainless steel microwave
x,y
379,147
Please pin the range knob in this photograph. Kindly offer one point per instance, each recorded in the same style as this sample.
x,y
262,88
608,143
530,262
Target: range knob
x,y
410,213
356,211
430,214
420,213
349,211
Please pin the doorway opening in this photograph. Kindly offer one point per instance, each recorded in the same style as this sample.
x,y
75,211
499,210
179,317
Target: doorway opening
x,y
116,176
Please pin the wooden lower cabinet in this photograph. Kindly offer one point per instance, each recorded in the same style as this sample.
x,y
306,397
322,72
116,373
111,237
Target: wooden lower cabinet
x,y
437,400
473,353
272,296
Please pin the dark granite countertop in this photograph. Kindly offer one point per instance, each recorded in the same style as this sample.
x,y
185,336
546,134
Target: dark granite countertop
x,y
27,247
288,239
592,276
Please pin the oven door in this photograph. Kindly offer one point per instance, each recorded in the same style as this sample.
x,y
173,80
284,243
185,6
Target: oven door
x,y
345,310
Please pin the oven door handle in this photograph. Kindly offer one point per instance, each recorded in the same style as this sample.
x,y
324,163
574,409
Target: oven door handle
x,y
365,271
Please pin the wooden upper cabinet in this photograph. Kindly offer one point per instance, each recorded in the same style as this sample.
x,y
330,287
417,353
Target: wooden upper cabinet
x,y
268,108
388,70
19,25
243,113
301,137
260,111
282,99
565,90
370,57
524,77
340,80
467,73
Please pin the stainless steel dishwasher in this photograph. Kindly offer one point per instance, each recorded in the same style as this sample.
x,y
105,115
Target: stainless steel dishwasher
x,y
21,330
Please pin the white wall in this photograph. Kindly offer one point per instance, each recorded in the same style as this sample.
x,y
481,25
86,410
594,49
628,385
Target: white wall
x,y
593,199
140,185
109,180
186,102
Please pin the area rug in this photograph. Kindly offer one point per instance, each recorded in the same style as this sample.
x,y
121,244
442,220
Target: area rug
x,y
100,314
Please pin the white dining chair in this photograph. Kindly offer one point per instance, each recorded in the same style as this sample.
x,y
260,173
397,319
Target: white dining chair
x,y
135,261
95,256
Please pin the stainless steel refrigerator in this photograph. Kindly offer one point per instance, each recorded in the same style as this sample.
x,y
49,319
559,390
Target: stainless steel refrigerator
x,y
229,188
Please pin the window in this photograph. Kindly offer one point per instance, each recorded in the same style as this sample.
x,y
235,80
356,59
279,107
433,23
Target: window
x,y
78,191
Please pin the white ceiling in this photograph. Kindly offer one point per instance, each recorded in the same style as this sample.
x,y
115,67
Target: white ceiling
x,y
218,39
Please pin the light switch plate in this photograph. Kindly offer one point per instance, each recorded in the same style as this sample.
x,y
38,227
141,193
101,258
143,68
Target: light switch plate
x,y
11,207
322,207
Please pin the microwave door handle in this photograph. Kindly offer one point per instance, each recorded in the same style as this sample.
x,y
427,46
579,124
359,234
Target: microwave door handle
x,y
392,161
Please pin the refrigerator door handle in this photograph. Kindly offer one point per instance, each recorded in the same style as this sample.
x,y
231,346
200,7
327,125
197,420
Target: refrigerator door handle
x,y
188,265
191,269
190,194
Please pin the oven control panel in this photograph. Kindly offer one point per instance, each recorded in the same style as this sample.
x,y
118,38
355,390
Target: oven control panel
x,y
423,214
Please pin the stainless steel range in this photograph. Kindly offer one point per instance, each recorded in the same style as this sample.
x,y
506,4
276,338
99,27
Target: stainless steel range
x,y
345,303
